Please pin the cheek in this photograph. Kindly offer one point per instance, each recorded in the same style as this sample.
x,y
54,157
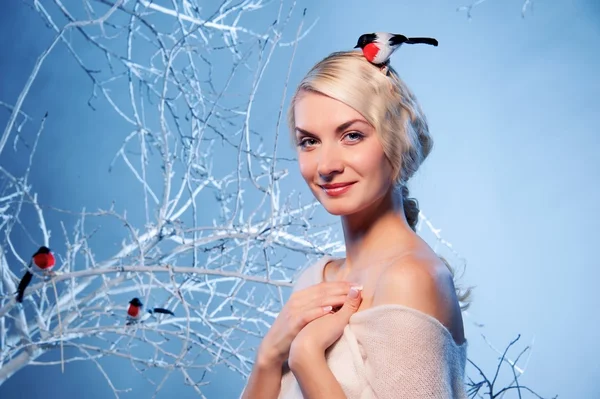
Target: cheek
x,y
307,167
375,164
368,162
386,168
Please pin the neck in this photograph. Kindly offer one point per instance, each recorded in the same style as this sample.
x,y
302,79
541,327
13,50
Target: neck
x,y
377,233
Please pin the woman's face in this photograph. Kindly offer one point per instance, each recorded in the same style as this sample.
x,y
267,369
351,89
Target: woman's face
x,y
340,155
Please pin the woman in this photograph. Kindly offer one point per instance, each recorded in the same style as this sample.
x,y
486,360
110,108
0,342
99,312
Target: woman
x,y
361,135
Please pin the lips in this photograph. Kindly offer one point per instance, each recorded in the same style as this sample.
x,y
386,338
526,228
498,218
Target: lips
x,y
336,185
336,189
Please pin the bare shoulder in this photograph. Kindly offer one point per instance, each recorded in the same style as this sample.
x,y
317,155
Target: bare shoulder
x,y
423,283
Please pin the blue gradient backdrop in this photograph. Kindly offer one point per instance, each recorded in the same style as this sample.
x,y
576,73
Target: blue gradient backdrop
x,y
513,180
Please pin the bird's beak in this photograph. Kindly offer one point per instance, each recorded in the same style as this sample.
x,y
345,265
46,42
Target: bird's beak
x,y
357,46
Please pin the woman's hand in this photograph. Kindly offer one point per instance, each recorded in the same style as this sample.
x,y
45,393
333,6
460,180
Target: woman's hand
x,y
303,307
320,334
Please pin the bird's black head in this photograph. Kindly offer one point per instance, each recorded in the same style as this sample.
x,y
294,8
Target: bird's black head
x,y
42,250
136,302
365,39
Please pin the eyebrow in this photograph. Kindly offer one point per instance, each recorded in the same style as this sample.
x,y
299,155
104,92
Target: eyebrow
x,y
338,129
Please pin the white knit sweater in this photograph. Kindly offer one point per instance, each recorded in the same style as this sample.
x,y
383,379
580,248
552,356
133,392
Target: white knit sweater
x,y
389,352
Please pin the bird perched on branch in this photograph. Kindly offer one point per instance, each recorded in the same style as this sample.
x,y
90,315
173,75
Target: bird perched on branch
x,y
378,47
44,261
136,314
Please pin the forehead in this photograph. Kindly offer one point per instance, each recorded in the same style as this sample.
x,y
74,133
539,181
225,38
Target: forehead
x,y
318,110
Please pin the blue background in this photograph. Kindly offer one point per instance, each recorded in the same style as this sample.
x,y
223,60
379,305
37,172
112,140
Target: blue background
x,y
513,105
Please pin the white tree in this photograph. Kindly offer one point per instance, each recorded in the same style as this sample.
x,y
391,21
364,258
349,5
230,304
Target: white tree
x,y
220,243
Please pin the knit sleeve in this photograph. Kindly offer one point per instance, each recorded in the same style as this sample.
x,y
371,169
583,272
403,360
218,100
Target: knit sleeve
x,y
408,354
312,275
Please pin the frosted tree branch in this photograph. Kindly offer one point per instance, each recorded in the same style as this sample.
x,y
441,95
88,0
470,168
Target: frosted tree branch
x,y
203,251
527,4
483,386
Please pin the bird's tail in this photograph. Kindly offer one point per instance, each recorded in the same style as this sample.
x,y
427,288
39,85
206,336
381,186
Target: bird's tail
x,y
23,284
163,311
422,40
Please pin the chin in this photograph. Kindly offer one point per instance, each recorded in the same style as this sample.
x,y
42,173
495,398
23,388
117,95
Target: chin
x,y
345,205
341,206
337,210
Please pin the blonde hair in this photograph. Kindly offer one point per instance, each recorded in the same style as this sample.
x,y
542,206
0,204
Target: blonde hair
x,y
387,103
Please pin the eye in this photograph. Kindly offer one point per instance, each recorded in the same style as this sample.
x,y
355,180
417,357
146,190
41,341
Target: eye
x,y
354,136
306,141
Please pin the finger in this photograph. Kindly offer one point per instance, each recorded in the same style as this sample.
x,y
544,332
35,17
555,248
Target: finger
x,y
333,301
323,294
337,289
322,289
334,295
333,289
352,303
311,314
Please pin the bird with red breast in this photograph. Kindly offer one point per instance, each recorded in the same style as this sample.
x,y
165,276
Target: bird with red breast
x,y
378,47
136,314
44,261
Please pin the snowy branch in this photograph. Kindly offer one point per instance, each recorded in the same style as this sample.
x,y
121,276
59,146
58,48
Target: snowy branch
x,y
218,237
527,4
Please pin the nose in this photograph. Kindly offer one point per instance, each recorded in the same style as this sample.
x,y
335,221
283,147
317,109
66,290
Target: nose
x,y
330,161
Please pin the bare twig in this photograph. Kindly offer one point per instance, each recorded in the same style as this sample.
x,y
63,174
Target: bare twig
x,y
527,4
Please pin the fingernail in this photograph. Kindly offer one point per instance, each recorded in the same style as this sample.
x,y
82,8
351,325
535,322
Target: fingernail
x,y
327,309
354,292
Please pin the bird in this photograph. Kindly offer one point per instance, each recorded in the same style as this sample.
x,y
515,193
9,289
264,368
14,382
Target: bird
x,y
44,260
135,311
379,46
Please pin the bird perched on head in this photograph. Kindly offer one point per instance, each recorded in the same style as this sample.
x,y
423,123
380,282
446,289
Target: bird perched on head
x,y
379,46
44,261
135,311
